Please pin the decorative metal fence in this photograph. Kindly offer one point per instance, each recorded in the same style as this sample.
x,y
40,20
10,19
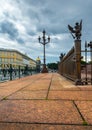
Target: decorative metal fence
x,y
70,64
67,66
86,71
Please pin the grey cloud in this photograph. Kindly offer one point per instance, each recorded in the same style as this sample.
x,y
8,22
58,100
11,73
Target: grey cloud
x,y
8,28
31,33
20,40
51,15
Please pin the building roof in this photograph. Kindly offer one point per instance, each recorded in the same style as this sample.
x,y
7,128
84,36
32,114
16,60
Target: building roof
x,y
13,50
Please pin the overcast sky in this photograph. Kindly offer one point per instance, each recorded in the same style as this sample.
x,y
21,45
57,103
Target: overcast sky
x,y
22,21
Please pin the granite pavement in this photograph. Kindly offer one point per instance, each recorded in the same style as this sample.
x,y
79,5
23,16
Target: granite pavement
x,y
45,102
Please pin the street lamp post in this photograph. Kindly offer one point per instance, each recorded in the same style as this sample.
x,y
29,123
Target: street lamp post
x,y
44,42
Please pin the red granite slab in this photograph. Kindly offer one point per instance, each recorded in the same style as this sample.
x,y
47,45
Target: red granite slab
x,y
85,108
12,86
29,95
7,90
70,95
24,126
38,85
85,87
39,111
61,87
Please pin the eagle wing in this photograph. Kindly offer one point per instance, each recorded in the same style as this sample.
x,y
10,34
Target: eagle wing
x,y
80,25
71,29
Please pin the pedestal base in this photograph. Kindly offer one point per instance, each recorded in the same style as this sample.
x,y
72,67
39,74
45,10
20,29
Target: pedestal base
x,y
44,69
78,82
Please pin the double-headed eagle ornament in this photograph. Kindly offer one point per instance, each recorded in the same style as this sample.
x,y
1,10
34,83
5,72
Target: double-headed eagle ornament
x,y
76,31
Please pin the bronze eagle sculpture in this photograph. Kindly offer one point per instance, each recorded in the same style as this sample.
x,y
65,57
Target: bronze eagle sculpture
x,y
76,30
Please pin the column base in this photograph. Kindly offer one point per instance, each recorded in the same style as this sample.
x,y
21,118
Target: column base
x,y
44,69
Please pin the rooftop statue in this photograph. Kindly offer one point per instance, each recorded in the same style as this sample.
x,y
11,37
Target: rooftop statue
x,y
76,31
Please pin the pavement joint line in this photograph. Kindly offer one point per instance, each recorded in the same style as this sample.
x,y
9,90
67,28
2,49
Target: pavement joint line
x,y
49,88
51,99
44,123
71,90
68,100
79,111
35,90
27,99
21,88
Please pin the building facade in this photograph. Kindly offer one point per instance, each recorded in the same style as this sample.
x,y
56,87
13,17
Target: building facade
x,y
38,64
15,58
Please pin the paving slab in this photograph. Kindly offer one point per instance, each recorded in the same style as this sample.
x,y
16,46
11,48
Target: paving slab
x,y
47,76
28,95
36,87
23,126
62,87
70,95
8,90
10,87
60,83
85,108
39,111
85,87
27,107
39,85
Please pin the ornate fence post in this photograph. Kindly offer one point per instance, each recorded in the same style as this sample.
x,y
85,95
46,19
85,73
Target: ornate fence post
x,y
76,34
78,62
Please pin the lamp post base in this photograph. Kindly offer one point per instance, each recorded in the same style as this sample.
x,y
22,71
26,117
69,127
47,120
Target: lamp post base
x,y
44,69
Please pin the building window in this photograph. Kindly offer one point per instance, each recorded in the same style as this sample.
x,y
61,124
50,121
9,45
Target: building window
x,y
12,60
5,60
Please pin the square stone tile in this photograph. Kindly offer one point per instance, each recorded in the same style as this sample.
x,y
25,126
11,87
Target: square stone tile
x,y
29,95
61,87
24,126
85,108
8,90
36,87
85,87
39,111
70,95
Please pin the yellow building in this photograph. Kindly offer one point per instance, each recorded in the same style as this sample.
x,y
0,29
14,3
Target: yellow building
x,y
14,57
38,64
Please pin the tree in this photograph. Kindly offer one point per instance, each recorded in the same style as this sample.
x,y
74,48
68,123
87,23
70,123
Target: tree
x,y
83,62
52,66
90,62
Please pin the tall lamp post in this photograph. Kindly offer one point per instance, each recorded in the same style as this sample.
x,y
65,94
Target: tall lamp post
x,y
44,41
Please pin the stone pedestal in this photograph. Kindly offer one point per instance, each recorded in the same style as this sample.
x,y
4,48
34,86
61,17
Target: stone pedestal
x,y
44,69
